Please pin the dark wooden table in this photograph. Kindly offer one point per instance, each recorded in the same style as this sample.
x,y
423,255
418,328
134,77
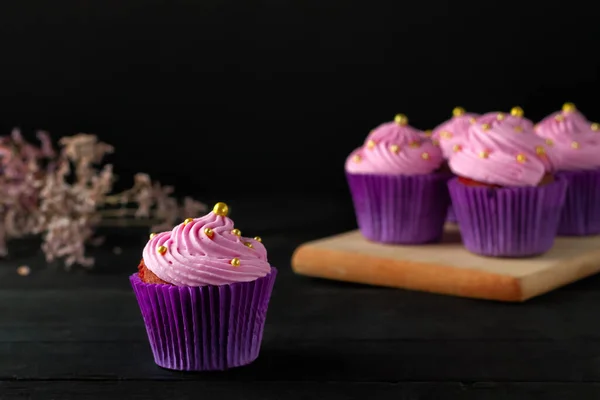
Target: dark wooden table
x,y
79,335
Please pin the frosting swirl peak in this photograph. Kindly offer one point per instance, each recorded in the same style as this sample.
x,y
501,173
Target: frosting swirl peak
x,y
206,251
450,132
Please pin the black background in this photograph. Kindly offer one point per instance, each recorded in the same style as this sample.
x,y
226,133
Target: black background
x,y
227,99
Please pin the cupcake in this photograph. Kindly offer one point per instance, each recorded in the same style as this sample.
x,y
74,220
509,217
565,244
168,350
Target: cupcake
x,y
506,199
577,141
203,291
399,195
448,134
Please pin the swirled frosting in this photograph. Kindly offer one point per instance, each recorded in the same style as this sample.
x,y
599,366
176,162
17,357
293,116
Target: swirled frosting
x,y
192,255
499,149
574,138
450,132
395,148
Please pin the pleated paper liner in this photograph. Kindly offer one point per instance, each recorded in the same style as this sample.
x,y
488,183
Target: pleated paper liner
x,y
450,216
508,222
209,328
581,212
400,209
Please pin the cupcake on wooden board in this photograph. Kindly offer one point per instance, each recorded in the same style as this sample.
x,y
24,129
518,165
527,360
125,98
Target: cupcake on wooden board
x,y
577,141
203,291
398,192
449,133
506,198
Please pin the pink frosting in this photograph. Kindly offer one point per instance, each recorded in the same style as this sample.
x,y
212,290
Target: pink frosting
x,y
574,138
195,259
451,132
503,152
395,148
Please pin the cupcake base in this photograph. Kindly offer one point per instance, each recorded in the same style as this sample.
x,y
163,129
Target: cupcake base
x,y
400,209
450,216
581,213
209,328
508,222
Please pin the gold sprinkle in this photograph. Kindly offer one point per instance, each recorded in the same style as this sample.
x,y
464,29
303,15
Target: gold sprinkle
x,y
435,142
187,221
549,142
152,235
559,118
356,158
248,244
401,119
23,270
595,126
500,116
458,111
485,127
371,144
428,133
221,209
235,262
540,150
209,232
258,239
415,145
446,135
161,250
516,112
569,107
236,232
521,158
395,148
425,156
472,120
518,128
484,154
457,148
575,145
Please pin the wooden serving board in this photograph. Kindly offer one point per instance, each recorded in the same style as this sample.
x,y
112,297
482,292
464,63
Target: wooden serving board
x,y
447,268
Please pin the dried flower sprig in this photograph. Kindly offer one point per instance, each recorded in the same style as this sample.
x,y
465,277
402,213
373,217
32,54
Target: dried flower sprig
x,y
65,195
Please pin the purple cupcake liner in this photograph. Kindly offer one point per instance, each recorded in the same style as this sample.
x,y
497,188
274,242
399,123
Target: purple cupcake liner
x,y
400,209
581,212
450,215
209,328
508,222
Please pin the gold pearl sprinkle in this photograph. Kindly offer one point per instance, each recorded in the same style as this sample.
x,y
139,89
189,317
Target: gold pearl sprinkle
x,y
371,144
415,145
425,156
500,116
595,126
485,127
435,142
401,119
472,120
152,235
395,148
187,221
356,158
521,158
575,145
258,239
428,133
559,118
221,209
248,244
518,128
540,150
549,142
236,232
161,250
446,135
569,107
458,111
484,154
456,148
235,262
517,112
209,232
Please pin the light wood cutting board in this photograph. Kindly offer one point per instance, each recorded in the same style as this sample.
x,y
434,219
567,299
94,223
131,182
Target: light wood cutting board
x,y
447,268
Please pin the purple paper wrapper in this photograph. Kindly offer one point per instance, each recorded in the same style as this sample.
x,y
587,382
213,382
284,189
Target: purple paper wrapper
x,y
450,216
508,222
400,209
209,328
581,212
